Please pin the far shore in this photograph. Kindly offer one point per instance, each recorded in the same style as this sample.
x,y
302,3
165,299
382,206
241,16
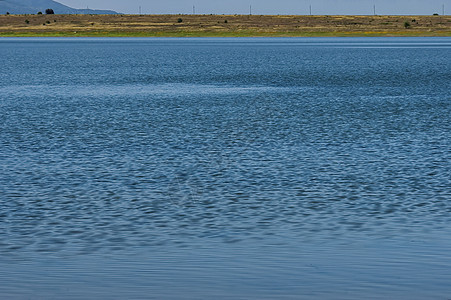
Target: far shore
x,y
221,26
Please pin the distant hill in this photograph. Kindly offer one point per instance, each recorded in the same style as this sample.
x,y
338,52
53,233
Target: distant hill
x,y
34,6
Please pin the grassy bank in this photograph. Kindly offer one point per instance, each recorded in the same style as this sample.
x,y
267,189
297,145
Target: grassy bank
x,y
222,25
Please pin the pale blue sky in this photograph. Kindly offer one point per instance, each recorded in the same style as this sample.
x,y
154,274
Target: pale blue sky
x,y
324,7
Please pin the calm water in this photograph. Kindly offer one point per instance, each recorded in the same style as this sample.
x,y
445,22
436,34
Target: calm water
x,y
225,168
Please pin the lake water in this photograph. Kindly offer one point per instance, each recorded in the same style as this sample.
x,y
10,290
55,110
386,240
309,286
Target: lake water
x,y
313,168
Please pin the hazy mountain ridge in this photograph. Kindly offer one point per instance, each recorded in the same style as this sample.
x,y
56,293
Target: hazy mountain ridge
x,y
34,6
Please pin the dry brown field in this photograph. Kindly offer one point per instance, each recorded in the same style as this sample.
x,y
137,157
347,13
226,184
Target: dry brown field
x,y
222,25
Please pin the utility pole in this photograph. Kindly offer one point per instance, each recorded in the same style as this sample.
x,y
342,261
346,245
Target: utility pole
x,y
250,9
374,9
194,10
140,10
310,10
443,9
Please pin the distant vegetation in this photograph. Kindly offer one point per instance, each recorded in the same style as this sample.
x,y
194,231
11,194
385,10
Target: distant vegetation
x,y
222,25
49,11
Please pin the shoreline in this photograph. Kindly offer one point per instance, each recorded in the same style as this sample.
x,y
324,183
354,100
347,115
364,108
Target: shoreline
x,y
222,26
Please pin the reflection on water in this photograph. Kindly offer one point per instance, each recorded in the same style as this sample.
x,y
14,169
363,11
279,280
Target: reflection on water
x,y
245,168
135,90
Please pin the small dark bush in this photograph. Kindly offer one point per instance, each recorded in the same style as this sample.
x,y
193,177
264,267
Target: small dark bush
x,y
179,20
435,14
26,21
48,22
7,12
39,12
406,24
49,11
225,21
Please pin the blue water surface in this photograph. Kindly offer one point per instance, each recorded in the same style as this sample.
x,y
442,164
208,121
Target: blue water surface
x,y
227,168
